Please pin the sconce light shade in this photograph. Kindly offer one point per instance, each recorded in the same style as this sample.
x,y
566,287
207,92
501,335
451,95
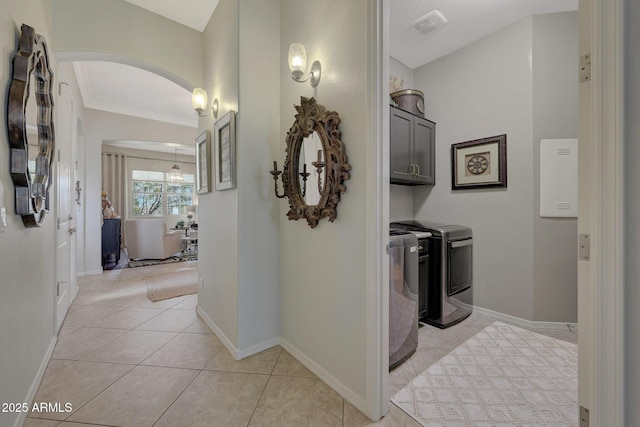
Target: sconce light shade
x,y
199,100
297,60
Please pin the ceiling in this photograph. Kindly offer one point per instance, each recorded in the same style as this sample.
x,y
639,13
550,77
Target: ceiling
x,y
123,89
192,13
468,21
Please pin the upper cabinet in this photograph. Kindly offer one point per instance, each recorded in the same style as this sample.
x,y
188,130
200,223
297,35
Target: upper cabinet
x,y
413,149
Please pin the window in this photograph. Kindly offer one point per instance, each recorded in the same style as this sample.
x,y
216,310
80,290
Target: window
x,y
153,195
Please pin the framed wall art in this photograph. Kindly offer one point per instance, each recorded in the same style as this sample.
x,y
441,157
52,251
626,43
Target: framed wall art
x,y
203,162
224,151
481,163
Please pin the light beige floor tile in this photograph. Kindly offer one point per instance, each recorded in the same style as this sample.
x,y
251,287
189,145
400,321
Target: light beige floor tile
x,y
199,327
85,315
132,347
401,376
261,363
228,398
424,358
296,401
78,343
35,422
394,418
138,399
192,351
188,304
145,302
170,321
288,365
77,384
429,336
55,365
70,424
128,318
463,331
65,330
121,298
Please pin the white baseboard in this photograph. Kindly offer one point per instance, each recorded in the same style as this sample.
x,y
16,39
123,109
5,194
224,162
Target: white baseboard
x,y
36,382
218,333
325,376
237,353
528,324
250,351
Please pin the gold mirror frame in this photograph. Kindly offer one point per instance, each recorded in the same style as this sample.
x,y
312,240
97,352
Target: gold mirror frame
x,y
31,192
313,117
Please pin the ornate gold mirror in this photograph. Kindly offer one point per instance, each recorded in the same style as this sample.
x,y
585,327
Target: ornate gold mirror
x,y
316,165
30,125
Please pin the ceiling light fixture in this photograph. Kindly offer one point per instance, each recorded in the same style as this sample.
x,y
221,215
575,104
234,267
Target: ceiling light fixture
x,y
199,100
298,65
175,174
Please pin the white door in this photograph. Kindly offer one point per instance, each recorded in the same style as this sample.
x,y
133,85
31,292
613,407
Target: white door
x,y
64,199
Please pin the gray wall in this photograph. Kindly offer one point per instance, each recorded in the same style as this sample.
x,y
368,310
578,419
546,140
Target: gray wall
x,y
397,68
481,90
218,266
555,115
632,211
400,202
519,81
26,260
323,291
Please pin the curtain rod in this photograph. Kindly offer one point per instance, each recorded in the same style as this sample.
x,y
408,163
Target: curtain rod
x,y
147,158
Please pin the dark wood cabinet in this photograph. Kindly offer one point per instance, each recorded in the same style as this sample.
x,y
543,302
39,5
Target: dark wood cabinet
x,y
413,149
110,243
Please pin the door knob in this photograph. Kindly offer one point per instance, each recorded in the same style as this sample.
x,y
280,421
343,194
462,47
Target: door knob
x,y
72,230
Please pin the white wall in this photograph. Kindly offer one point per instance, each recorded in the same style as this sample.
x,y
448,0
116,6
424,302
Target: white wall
x,y
324,285
101,126
218,266
26,261
495,98
122,32
397,68
555,115
523,85
632,212
258,142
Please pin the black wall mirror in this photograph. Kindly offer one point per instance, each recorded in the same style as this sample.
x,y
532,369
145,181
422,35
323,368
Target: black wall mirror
x,y
316,165
30,126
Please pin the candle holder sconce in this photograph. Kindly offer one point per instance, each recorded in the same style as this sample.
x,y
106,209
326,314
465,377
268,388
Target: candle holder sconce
x,y
315,131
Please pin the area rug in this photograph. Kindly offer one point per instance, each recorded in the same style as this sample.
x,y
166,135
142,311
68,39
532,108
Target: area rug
x,y
503,376
145,262
170,285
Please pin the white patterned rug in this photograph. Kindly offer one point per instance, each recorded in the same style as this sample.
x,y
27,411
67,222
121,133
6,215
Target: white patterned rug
x,y
502,376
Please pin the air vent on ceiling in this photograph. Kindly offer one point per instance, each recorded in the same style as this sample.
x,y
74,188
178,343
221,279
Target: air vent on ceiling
x,y
430,22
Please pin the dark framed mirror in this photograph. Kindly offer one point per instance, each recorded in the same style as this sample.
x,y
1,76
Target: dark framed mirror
x,y
30,126
316,165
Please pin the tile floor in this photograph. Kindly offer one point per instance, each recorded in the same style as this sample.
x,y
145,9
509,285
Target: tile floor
x,y
122,360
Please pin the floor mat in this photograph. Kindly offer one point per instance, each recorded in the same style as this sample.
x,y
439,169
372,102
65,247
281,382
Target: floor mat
x,y
170,285
504,375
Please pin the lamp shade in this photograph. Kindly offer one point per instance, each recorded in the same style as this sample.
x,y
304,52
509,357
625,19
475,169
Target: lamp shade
x,y
297,60
199,100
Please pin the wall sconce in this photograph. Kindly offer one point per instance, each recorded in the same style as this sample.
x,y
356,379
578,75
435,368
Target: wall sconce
x,y
298,65
200,101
